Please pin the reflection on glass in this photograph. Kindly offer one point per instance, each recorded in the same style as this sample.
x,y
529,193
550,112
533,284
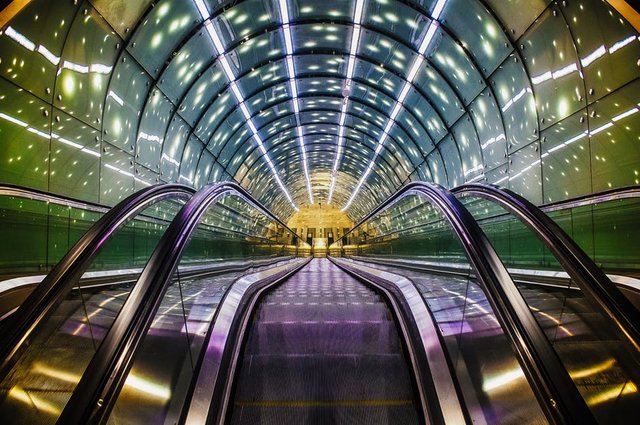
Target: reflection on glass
x,y
51,362
233,234
413,233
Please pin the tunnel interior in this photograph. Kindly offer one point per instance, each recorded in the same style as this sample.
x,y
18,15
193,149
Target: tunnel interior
x,y
304,102
340,129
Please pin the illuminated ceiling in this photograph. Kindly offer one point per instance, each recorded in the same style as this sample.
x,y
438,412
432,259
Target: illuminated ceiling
x,y
306,101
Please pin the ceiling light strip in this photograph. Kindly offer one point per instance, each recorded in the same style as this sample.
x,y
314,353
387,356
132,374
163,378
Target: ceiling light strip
x,y
351,63
233,86
293,87
397,107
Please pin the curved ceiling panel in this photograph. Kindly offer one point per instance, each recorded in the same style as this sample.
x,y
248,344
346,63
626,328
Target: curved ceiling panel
x,y
304,101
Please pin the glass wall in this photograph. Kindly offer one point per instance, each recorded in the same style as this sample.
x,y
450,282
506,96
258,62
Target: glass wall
x,y
233,239
412,238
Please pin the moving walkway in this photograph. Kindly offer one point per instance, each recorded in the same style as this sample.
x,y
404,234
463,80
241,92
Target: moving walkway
x,y
226,348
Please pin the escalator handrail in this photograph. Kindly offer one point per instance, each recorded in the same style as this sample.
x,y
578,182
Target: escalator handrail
x,y
590,278
554,388
61,279
97,391
39,195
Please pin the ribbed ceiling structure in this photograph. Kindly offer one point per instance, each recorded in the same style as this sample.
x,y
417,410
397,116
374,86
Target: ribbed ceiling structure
x,y
306,101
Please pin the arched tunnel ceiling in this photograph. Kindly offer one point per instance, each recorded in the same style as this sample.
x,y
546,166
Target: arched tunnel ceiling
x,y
311,101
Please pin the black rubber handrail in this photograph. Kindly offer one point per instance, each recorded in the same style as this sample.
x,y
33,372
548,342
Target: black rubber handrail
x,y
64,275
590,278
558,395
99,386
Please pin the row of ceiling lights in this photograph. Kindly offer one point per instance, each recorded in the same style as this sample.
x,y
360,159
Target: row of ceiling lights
x,y
355,40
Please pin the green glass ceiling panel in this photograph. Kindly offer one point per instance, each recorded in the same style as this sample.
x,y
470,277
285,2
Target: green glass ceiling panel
x,y
385,51
563,155
614,124
144,177
525,172
557,82
201,93
222,105
398,19
516,101
161,32
186,66
366,114
466,138
517,15
256,51
230,149
218,173
488,123
607,45
205,165
440,93
325,86
271,95
172,149
498,174
320,102
481,35
427,115
75,158
268,116
24,137
127,94
452,61
309,9
452,162
189,162
82,81
313,64
323,117
153,126
415,130
411,149
266,120
368,95
245,18
31,46
241,157
321,37
116,175
233,125
123,15
423,173
224,131
278,127
267,74
437,167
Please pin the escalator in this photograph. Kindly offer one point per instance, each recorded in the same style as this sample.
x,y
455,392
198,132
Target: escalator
x,y
283,340
323,348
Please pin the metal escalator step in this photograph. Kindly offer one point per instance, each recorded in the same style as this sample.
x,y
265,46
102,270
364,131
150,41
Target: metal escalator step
x,y
322,415
307,337
325,377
